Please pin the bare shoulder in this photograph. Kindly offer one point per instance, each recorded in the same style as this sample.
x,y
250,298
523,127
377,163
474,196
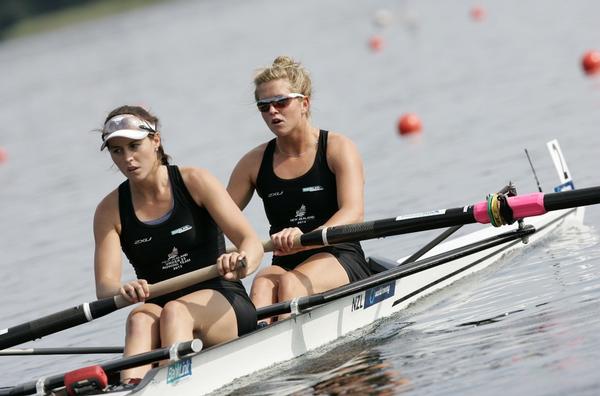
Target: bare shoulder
x,y
193,176
339,144
254,156
250,162
107,210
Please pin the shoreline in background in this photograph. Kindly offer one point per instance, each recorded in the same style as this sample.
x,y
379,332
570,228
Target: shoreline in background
x,y
70,16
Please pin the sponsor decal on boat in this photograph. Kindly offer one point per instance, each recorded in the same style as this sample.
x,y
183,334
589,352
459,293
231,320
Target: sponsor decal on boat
x,y
312,189
422,214
379,293
373,296
179,370
181,230
565,186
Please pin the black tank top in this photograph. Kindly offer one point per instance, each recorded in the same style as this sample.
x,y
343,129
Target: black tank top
x,y
187,240
305,202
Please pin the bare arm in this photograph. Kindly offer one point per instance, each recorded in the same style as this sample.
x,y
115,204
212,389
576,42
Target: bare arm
x,y
242,181
210,193
346,163
107,254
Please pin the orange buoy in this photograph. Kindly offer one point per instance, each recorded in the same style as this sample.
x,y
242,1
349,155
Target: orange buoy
x,y
409,123
477,13
3,155
376,43
590,62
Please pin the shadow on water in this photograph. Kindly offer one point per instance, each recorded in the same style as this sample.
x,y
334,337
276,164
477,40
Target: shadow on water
x,y
354,367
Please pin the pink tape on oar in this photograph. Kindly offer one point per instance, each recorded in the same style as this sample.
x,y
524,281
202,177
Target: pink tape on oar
x,y
521,205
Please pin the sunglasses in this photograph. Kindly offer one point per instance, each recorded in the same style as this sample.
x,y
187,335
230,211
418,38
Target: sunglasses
x,y
279,102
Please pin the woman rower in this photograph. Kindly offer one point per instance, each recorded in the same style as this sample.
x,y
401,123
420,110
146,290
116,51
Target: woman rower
x,y
168,221
307,178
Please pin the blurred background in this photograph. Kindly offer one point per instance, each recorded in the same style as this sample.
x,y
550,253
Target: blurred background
x,y
483,80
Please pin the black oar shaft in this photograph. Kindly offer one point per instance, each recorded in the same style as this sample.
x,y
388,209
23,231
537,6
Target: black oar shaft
x,y
572,198
89,311
57,381
394,274
61,351
55,322
523,206
392,226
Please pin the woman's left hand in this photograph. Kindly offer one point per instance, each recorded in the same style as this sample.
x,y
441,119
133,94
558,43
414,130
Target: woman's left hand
x,y
283,242
232,266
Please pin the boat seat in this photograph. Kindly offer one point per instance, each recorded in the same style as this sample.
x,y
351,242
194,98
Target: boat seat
x,y
380,264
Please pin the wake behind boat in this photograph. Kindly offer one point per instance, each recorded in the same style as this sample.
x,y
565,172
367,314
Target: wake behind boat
x,y
320,319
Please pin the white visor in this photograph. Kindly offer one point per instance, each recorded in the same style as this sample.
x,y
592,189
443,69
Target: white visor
x,y
126,125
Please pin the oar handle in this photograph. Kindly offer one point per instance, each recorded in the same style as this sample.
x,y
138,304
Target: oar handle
x,y
268,244
176,283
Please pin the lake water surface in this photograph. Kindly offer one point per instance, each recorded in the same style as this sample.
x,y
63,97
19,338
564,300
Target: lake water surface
x,y
485,90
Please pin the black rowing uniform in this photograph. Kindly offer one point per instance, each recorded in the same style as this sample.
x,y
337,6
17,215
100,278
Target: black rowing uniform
x,y
184,240
306,202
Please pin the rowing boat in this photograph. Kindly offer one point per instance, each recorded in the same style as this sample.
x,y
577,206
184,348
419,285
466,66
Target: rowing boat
x,y
321,319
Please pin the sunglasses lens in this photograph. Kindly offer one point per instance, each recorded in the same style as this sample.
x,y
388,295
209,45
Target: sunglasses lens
x,y
263,107
281,103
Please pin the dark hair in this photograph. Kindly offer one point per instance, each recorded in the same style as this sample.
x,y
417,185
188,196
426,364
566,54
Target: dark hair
x,y
142,113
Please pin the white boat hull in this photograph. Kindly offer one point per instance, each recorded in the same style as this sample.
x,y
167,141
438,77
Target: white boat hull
x,y
318,326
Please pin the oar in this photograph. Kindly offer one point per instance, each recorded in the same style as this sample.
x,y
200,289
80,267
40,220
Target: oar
x,y
396,273
60,351
508,189
522,206
173,352
87,312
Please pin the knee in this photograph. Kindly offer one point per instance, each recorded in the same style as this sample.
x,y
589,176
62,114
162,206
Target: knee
x,y
288,284
174,312
139,322
261,283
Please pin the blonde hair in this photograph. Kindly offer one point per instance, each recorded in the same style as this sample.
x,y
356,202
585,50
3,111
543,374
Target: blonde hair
x,y
285,68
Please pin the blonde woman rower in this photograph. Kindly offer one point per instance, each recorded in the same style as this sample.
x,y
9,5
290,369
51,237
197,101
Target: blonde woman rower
x,y
307,178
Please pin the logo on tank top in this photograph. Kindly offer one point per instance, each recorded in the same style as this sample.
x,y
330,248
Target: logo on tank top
x,y
275,194
174,261
143,240
301,217
313,189
181,230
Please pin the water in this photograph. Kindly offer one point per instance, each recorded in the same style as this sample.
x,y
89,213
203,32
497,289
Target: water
x,y
484,91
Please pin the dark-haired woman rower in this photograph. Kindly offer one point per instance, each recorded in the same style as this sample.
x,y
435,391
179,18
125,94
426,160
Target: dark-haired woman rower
x,y
169,221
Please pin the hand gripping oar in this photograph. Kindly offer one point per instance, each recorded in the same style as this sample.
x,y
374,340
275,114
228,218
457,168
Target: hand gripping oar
x,y
87,312
494,210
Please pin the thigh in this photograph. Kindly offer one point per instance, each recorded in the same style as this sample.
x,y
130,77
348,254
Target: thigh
x,y
321,272
214,317
271,272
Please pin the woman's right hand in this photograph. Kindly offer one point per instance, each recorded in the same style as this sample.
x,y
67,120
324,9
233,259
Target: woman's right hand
x,y
135,291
